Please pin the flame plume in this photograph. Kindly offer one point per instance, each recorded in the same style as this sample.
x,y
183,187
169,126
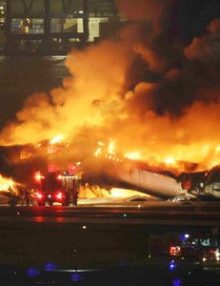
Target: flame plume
x,y
7,185
158,100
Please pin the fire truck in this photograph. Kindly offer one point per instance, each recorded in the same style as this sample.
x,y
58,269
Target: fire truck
x,y
56,187
202,248
185,247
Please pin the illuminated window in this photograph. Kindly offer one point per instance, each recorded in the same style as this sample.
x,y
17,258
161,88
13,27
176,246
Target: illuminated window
x,y
94,28
80,26
67,25
2,13
27,26
74,40
73,25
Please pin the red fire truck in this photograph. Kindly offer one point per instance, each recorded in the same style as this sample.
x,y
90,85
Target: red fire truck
x,y
56,187
203,248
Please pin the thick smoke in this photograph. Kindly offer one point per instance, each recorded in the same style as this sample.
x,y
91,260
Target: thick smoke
x,y
89,96
143,90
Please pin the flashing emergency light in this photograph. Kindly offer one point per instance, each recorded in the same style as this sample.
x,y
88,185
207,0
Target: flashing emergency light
x,y
172,265
176,282
175,250
39,195
59,195
50,266
59,177
32,272
184,236
76,277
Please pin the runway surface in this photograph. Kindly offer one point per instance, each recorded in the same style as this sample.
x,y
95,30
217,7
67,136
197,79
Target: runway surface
x,y
97,234
152,212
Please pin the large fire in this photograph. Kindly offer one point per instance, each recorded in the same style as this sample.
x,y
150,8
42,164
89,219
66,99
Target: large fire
x,y
135,155
8,185
177,162
134,90
57,139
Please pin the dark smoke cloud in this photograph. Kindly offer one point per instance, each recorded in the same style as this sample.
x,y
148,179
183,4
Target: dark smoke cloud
x,y
143,88
158,55
187,74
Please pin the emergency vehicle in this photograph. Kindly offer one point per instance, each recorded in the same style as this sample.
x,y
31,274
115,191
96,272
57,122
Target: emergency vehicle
x,y
56,187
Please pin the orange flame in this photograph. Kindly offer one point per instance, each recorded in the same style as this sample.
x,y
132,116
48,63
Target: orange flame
x,y
135,155
125,193
7,184
94,102
57,139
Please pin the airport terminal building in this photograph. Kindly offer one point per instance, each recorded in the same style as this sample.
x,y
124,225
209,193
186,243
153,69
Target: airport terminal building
x,y
51,27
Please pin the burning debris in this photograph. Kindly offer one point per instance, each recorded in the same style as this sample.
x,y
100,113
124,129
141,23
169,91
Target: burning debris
x,y
8,185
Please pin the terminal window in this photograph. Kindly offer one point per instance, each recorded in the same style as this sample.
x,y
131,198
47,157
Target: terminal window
x,y
27,26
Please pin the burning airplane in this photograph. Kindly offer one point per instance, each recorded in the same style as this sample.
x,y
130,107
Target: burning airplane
x,y
143,92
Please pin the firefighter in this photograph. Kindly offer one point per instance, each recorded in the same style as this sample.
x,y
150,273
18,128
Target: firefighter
x,y
13,198
26,197
75,192
22,196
